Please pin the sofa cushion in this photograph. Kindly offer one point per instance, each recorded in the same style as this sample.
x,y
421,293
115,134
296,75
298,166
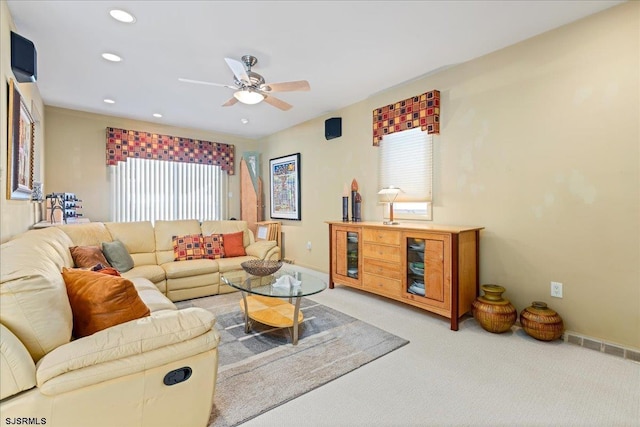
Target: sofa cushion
x,y
117,255
193,267
16,365
151,296
87,234
154,273
139,239
261,248
231,264
135,347
233,245
99,301
187,247
33,298
212,246
88,256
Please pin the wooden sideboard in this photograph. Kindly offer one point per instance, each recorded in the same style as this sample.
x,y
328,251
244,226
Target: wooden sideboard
x,y
431,267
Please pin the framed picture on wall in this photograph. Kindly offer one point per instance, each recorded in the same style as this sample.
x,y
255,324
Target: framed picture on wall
x,y
20,146
284,174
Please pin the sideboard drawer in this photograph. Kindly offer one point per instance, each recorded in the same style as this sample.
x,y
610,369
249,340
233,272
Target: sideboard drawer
x,y
375,235
381,268
384,253
382,285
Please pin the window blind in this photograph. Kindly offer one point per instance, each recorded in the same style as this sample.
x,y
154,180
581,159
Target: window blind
x,y
150,190
406,161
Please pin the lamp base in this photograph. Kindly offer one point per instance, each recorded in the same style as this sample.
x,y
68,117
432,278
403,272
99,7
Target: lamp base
x,y
390,223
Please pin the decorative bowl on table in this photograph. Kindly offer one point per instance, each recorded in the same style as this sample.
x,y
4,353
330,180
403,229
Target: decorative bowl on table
x,y
259,267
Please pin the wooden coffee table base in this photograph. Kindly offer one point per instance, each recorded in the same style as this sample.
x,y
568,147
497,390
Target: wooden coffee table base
x,y
272,312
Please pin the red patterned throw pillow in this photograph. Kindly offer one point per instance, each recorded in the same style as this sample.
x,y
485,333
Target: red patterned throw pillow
x,y
212,246
187,247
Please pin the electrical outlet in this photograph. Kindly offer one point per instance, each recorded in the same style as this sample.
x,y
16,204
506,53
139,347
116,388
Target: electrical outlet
x,y
556,289
309,245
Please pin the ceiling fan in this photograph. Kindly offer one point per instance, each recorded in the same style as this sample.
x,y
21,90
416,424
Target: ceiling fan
x,y
250,87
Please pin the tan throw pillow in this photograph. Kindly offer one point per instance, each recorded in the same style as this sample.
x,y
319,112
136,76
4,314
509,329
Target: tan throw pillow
x,y
212,246
233,244
187,247
99,301
87,256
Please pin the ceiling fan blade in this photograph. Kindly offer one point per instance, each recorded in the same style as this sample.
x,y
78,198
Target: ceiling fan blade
x,y
278,103
238,70
230,102
300,85
205,83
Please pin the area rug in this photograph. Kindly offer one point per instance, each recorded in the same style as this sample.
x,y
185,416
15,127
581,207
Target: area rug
x,y
262,370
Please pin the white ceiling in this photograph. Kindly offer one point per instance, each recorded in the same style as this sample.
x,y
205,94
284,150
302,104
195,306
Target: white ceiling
x,y
347,50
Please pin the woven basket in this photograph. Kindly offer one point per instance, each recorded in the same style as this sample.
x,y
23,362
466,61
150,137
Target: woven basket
x,y
258,267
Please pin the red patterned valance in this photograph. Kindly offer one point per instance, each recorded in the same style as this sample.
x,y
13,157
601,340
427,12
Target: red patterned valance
x,y
122,144
422,110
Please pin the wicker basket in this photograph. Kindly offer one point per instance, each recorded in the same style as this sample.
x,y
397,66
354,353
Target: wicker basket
x,y
258,267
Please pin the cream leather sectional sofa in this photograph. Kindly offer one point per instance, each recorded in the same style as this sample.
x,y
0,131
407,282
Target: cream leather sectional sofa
x,y
151,247
159,370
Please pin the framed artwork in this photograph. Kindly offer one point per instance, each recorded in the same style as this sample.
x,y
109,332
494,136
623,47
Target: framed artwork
x,y
284,174
20,141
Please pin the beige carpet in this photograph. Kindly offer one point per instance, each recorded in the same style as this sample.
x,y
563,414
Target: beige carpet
x,y
262,370
465,378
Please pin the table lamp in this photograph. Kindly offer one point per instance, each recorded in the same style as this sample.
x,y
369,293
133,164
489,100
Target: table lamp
x,y
390,192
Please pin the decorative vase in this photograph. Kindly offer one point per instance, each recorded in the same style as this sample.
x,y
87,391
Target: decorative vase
x,y
541,322
494,313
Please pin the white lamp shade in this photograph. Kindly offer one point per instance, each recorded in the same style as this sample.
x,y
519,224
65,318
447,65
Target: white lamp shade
x,y
390,192
248,97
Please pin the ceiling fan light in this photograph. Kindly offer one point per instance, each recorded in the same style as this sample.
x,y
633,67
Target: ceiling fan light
x,y
248,97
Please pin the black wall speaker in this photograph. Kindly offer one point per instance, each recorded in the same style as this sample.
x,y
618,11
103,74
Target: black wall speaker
x,y
333,128
23,59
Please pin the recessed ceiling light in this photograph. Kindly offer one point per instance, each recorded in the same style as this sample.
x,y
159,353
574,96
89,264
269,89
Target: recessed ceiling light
x,y
122,16
109,101
157,115
244,121
111,57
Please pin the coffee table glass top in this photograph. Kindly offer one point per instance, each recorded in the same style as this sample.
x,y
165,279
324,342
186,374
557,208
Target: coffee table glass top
x,y
282,284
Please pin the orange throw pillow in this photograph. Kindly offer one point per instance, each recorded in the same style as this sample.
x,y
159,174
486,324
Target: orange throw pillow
x,y
88,256
187,247
99,301
233,244
212,246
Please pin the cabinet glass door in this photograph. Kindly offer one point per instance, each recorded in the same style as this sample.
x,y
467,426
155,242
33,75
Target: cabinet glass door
x,y
352,254
415,266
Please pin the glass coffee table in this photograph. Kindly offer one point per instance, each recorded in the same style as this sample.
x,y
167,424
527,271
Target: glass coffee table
x,y
274,300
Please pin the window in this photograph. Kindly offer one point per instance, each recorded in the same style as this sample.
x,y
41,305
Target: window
x,y
405,160
150,190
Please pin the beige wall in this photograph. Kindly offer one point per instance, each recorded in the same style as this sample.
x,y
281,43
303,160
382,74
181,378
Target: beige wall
x,y
75,156
17,215
539,144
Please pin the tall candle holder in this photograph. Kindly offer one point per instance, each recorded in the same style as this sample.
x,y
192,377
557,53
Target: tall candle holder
x,y
354,194
353,205
345,208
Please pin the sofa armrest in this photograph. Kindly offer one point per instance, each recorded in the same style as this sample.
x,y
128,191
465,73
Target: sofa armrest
x,y
261,248
113,352
16,365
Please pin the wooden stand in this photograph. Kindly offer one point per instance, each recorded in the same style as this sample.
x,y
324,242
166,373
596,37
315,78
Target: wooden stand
x,y
269,230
